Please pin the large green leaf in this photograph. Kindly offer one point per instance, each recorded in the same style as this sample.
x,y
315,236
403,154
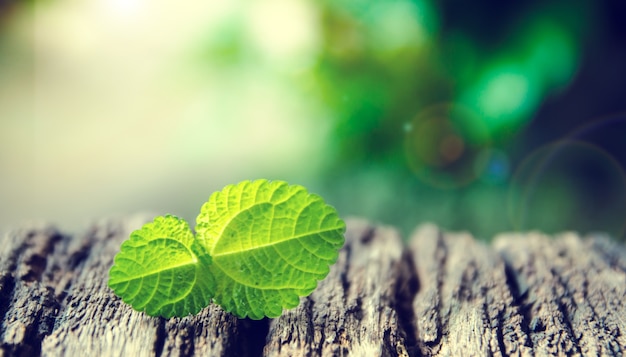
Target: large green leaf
x,y
270,243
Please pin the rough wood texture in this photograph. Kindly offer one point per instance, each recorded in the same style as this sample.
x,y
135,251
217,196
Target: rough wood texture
x,y
356,309
441,294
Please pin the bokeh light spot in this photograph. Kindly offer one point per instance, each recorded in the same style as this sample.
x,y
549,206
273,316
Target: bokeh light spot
x,y
493,166
400,24
285,31
504,95
552,57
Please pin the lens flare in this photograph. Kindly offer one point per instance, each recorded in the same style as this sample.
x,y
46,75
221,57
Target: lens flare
x,y
442,144
569,185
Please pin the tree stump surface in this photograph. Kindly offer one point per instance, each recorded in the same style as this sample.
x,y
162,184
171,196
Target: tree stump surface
x,y
439,294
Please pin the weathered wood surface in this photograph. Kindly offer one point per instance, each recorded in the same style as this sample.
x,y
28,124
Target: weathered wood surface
x,y
441,294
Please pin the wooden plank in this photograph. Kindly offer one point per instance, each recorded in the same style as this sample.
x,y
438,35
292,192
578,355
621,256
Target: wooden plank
x,y
440,294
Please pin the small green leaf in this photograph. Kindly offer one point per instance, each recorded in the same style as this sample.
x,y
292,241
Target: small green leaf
x,y
162,270
270,243
259,247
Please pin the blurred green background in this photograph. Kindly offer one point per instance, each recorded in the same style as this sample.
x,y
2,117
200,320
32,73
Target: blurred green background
x,y
484,116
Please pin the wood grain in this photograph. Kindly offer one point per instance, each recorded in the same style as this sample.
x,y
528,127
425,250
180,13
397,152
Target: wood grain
x,y
441,294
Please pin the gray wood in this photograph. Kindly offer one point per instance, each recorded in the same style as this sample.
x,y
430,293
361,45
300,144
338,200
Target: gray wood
x,y
465,305
356,308
441,294
56,302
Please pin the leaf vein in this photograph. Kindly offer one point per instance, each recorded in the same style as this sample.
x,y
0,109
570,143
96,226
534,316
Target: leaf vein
x,y
259,246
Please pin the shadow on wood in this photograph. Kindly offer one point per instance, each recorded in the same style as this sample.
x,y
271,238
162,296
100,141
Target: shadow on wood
x,y
442,294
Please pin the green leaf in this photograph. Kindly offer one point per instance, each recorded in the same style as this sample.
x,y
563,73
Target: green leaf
x,y
162,270
270,243
259,247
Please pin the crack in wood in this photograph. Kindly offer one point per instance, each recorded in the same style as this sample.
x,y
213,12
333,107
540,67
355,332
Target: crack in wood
x,y
407,289
252,338
566,306
345,281
159,341
7,289
520,300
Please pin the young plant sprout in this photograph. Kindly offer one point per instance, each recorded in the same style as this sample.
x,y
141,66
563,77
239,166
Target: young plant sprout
x,y
259,246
